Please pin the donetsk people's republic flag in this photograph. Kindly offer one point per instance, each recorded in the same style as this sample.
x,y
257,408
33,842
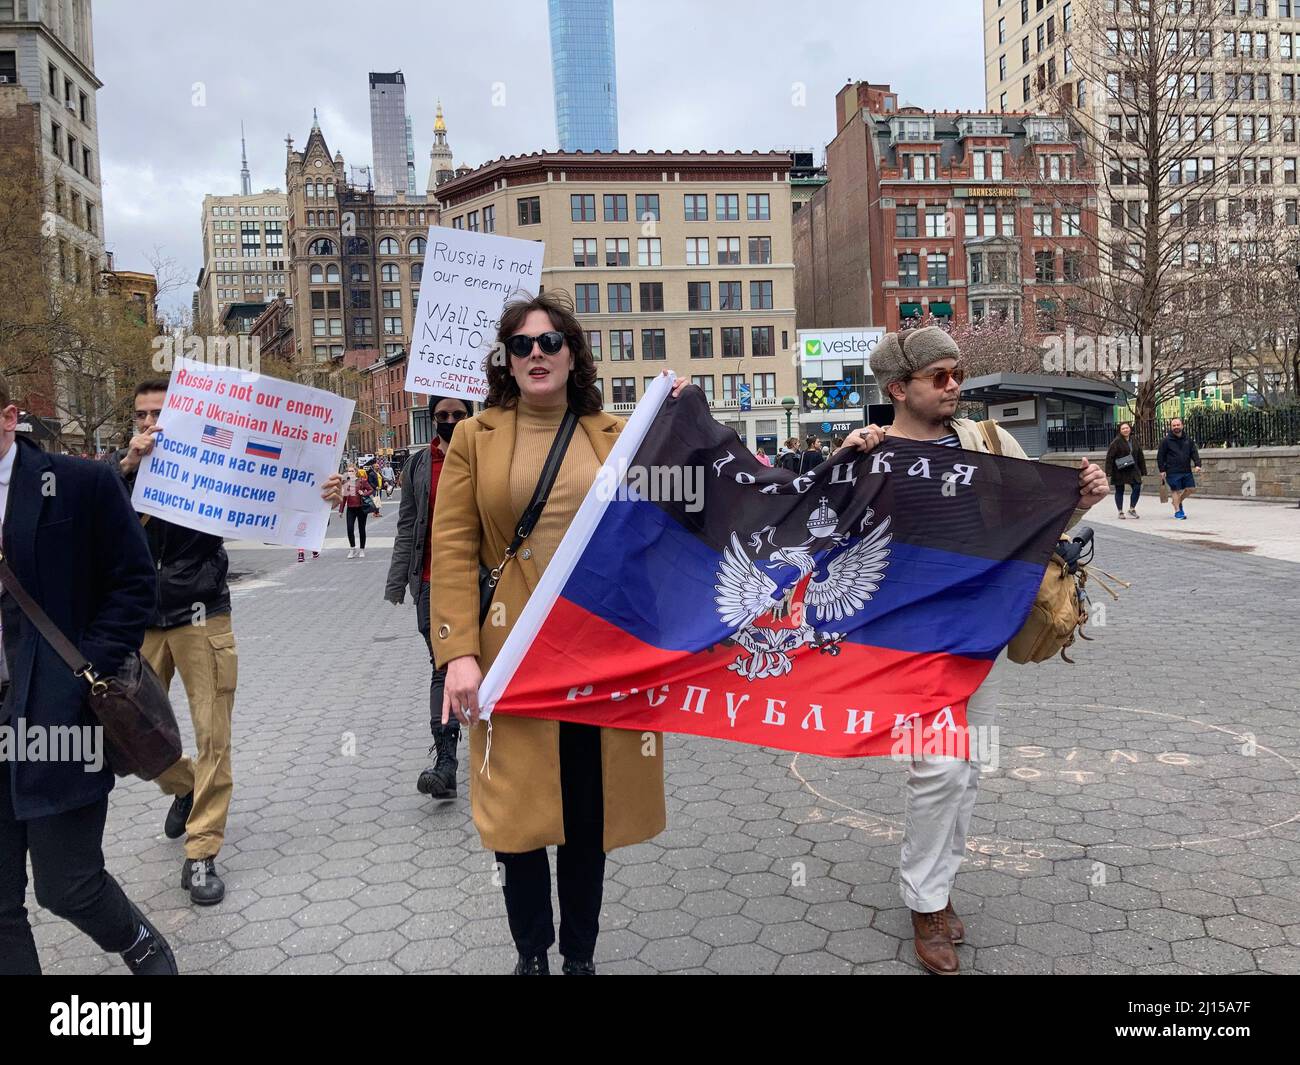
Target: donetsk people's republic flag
x,y
700,591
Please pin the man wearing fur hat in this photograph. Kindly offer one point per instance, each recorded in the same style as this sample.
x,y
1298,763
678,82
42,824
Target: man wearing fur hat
x,y
919,370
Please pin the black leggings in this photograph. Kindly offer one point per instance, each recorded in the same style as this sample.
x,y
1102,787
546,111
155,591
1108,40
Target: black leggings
x,y
356,518
1133,496
579,863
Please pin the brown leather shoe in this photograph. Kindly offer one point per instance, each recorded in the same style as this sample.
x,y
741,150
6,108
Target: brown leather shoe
x,y
933,942
956,930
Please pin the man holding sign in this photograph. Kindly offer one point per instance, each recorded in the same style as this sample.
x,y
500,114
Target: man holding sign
x,y
191,633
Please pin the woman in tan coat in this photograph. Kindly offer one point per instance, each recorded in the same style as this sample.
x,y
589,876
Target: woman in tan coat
x,y
583,789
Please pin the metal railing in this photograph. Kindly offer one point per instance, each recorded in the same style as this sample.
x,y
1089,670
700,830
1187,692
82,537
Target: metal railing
x,y
1231,427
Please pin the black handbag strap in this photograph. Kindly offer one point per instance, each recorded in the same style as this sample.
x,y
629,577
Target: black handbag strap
x,y
62,645
550,470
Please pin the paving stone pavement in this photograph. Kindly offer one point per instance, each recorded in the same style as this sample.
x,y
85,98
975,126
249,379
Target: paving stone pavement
x,y
1144,816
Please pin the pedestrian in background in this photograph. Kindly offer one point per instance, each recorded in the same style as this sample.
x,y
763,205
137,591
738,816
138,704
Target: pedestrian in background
x,y
409,568
812,456
1125,466
1178,459
357,504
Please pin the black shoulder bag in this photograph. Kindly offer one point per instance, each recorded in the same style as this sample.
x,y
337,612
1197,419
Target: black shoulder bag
x,y
141,736
489,578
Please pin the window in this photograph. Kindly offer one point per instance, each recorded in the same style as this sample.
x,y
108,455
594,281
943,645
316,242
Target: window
x,y
905,219
1002,31
1072,267
388,246
489,219
393,326
647,207
530,211
363,327
392,298
1044,267
616,251
972,217
1002,68
1024,89
697,206
417,245
760,251
318,327
586,299
704,382
1042,221
1008,221
620,298
359,272
623,389
727,206
648,252
729,296
1288,87
620,345
389,272
728,251
1067,19
975,273
698,296
582,207
697,251
652,296
701,344
909,269
936,222
760,295
653,345
471,221
758,207
936,269
1070,222
615,205
761,344
593,342
731,383
1024,50
359,299
733,342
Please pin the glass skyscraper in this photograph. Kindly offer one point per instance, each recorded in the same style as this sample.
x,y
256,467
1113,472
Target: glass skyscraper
x,y
582,66
391,157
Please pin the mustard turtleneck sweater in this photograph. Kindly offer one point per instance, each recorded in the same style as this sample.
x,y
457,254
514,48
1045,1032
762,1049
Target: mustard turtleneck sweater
x,y
535,429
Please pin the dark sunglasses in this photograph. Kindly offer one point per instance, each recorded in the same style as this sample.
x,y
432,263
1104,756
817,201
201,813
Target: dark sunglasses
x,y
450,416
940,378
521,346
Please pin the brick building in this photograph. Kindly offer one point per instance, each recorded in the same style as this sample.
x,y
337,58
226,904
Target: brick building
x,y
945,214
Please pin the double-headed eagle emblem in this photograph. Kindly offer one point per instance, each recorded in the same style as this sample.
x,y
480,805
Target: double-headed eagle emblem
x,y
772,598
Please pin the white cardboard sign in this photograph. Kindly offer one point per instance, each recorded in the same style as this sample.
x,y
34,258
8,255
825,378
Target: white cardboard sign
x,y
243,456
467,279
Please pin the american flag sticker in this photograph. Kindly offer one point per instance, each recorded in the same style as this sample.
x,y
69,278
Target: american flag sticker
x,y
216,437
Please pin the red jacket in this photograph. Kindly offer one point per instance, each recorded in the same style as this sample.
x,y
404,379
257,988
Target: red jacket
x,y
361,490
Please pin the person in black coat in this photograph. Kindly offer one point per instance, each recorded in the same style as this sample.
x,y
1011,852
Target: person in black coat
x,y
72,541
1130,474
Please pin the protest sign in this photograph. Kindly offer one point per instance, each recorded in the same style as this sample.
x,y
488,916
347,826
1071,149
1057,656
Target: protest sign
x,y
243,456
467,278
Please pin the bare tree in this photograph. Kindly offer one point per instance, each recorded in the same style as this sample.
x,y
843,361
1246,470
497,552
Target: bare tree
x,y
1160,84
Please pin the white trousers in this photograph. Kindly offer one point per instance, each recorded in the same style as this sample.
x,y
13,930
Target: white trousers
x,y
940,797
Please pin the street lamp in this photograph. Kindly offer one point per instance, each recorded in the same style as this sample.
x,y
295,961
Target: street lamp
x,y
789,404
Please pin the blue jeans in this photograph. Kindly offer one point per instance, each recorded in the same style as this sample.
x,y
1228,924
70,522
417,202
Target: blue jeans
x,y
1133,497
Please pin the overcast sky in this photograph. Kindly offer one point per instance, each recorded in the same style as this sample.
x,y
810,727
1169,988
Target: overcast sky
x,y
692,74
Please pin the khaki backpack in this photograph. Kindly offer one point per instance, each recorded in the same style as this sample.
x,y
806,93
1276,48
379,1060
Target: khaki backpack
x,y
1061,607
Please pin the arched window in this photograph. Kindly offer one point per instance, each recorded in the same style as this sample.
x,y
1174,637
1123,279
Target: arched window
x,y
360,272
320,190
317,275
358,246
388,246
418,245
389,272
322,246
417,272
329,189
332,274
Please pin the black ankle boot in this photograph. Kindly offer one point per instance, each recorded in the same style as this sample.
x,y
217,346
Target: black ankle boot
x,y
174,827
199,878
573,967
150,954
536,965
439,780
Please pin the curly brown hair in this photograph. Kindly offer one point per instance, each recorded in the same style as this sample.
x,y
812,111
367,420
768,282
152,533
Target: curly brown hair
x,y
503,390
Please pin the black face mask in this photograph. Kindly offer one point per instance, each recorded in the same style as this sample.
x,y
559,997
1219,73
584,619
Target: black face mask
x,y
445,429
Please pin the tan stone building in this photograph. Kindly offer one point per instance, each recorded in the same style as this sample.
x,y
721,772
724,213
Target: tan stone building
x,y
678,261
245,254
